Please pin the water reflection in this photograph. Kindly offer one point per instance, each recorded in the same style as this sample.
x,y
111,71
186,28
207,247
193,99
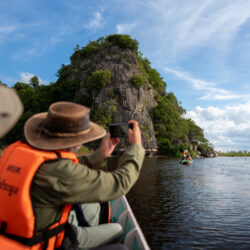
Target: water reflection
x,y
203,206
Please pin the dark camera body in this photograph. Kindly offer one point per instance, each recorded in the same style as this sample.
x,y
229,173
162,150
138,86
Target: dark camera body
x,y
117,130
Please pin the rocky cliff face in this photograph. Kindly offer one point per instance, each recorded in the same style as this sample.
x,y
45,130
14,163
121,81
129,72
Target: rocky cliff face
x,y
118,100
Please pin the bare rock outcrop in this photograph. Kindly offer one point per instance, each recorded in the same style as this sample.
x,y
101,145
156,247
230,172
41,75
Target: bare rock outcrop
x,y
119,98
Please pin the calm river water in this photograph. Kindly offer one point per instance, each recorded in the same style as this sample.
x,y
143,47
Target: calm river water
x,y
203,206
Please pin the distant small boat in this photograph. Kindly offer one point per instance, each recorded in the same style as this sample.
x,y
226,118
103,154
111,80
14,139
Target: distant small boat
x,y
133,237
186,162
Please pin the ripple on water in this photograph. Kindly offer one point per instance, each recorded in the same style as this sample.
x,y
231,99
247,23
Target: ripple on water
x,y
204,206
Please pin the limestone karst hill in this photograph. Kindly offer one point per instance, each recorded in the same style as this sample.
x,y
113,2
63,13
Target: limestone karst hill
x,y
112,77
112,82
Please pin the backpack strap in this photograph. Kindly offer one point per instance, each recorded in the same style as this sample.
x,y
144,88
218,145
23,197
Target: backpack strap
x,y
80,216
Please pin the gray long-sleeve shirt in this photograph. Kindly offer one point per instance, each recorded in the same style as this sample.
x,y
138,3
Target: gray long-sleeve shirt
x,y
64,182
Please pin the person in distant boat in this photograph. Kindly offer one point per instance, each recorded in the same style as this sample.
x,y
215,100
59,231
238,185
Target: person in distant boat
x,y
43,178
11,109
189,158
185,155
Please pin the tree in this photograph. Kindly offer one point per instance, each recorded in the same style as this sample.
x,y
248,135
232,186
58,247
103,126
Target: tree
x,y
34,82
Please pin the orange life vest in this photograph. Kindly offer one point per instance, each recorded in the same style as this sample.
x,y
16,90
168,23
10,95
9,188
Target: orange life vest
x,y
18,166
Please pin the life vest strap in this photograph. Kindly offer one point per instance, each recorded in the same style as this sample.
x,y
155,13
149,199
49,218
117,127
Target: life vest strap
x,y
41,237
3,227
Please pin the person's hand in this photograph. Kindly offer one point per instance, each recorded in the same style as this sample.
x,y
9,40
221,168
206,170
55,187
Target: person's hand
x,y
108,145
134,135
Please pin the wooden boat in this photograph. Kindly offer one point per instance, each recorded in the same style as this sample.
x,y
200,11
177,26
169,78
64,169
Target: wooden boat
x,y
133,237
186,162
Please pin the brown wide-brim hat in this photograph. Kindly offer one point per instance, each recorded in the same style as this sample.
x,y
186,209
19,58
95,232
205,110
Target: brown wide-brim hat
x,y
11,109
65,125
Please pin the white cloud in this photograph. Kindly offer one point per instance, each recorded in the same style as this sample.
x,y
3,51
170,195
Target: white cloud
x,y
59,36
209,89
6,32
125,28
182,26
7,29
96,22
228,128
26,76
197,83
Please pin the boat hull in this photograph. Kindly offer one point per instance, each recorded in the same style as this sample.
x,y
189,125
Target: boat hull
x,y
122,213
186,162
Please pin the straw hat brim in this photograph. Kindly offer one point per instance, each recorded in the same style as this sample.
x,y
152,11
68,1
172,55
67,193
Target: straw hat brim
x,y
38,139
11,109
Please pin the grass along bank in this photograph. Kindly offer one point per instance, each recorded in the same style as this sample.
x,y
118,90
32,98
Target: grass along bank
x,y
234,154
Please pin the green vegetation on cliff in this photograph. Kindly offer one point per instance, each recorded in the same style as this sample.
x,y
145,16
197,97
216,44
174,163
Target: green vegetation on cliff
x,y
82,83
173,132
122,41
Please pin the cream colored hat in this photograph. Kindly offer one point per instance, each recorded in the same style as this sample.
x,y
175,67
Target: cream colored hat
x,y
11,109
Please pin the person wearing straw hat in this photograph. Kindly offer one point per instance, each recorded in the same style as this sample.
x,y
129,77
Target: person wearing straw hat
x,y
56,178
11,109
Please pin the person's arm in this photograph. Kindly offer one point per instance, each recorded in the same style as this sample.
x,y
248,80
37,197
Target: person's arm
x,y
95,160
66,182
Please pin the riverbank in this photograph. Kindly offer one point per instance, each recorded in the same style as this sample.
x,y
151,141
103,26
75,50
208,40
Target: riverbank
x,y
234,154
84,150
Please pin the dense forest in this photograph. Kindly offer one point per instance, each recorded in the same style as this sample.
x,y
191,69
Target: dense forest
x,y
173,132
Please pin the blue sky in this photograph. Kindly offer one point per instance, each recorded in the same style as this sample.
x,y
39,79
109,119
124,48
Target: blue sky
x,y
201,49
